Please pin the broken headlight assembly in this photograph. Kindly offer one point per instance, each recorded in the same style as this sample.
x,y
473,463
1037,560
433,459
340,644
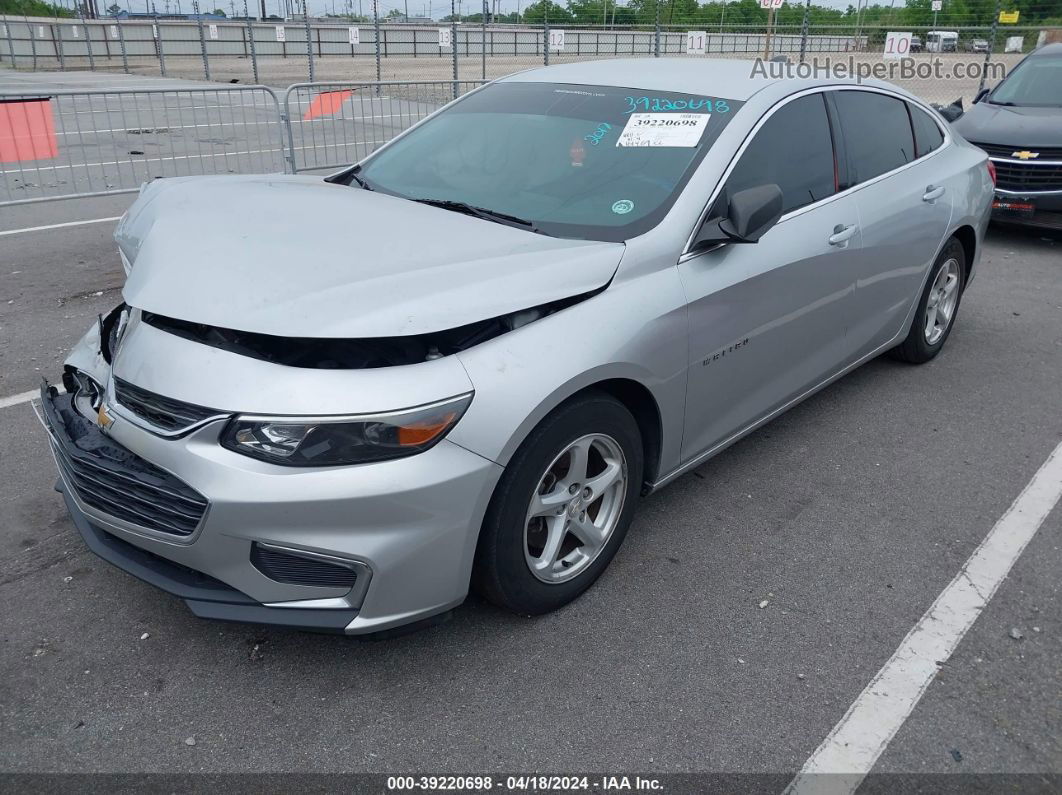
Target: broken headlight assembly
x,y
340,441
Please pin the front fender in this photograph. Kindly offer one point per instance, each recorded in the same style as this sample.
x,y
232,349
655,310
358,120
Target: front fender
x,y
634,330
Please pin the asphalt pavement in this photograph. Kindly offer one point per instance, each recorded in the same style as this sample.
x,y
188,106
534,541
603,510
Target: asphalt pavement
x,y
848,516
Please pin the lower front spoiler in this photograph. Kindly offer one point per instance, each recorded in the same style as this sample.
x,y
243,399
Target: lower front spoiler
x,y
205,596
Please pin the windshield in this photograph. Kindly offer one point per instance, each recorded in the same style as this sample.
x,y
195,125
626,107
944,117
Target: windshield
x,y
593,162
1036,81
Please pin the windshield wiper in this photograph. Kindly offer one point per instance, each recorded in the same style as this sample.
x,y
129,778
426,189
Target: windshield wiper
x,y
360,180
482,212
344,177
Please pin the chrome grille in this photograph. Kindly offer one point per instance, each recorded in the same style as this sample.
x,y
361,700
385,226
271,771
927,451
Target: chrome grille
x,y
166,414
1026,176
995,150
1042,173
113,480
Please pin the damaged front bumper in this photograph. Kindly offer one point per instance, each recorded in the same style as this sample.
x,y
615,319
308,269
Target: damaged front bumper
x,y
353,549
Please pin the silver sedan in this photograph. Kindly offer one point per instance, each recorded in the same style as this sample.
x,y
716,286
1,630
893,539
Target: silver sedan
x,y
337,403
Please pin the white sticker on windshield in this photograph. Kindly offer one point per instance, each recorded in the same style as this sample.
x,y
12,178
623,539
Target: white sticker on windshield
x,y
663,129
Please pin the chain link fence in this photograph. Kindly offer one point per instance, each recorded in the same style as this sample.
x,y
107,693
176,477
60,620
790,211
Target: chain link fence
x,y
93,143
332,125
280,53
96,143
368,83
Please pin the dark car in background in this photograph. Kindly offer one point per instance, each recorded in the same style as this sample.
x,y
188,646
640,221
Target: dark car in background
x,y
1019,124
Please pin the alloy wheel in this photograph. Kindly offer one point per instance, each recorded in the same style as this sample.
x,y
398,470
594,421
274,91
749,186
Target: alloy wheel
x,y
575,508
943,299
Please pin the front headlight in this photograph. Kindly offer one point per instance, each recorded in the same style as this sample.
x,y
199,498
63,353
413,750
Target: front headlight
x,y
338,441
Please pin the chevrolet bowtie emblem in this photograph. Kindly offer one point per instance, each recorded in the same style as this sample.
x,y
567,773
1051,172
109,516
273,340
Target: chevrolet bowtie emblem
x,y
103,419
1025,154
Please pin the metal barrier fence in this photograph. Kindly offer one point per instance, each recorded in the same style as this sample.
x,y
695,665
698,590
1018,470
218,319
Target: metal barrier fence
x,y
88,143
95,143
334,124
283,52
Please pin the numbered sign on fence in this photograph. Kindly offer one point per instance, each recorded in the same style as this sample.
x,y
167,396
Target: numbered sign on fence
x,y
897,45
938,5
114,31
556,40
695,40
281,33
770,4
154,31
74,31
1014,44
354,34
213,31
40,31
446,39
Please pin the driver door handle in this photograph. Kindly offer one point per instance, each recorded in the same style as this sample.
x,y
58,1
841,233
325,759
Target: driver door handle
x,y
842,234
933,192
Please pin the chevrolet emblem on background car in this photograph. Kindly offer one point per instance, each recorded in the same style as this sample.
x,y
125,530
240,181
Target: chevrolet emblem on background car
x,y
1025,154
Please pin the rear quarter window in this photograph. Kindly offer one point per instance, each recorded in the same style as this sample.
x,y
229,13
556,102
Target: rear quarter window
x,y
927,134
877,133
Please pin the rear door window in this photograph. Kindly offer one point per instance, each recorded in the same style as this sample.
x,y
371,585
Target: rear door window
x,y
928,136
794,150
877,133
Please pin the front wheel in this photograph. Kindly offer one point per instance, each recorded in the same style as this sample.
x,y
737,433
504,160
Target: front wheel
x,y
562,508
937,307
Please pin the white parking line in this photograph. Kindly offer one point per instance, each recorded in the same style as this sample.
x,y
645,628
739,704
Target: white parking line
x,y
57,226
851,749
22,397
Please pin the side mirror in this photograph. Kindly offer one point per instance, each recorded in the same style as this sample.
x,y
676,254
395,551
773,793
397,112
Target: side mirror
x,y
981,95
953,111
750,214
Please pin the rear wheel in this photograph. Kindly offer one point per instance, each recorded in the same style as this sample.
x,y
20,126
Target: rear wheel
x,y
562,508
937,308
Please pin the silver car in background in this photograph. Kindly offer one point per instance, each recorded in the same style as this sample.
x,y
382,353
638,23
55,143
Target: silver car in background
x,y
336,403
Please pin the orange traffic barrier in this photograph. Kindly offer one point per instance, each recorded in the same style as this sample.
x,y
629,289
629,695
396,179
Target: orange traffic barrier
x,y
327,103
27,130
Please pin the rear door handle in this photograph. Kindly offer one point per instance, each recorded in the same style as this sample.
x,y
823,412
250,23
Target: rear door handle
x,y
933,192
842,234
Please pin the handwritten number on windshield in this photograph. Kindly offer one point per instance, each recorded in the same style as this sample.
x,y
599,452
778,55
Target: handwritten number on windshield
x,y
595,137
660,104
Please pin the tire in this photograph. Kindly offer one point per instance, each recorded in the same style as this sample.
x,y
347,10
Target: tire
x,y
948,274
513,567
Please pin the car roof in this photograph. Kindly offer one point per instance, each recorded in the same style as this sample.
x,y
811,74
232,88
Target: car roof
x,y
1054,49
730,79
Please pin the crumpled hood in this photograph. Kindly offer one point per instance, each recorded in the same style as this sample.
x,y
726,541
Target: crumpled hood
x,y
296,256
1001,125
